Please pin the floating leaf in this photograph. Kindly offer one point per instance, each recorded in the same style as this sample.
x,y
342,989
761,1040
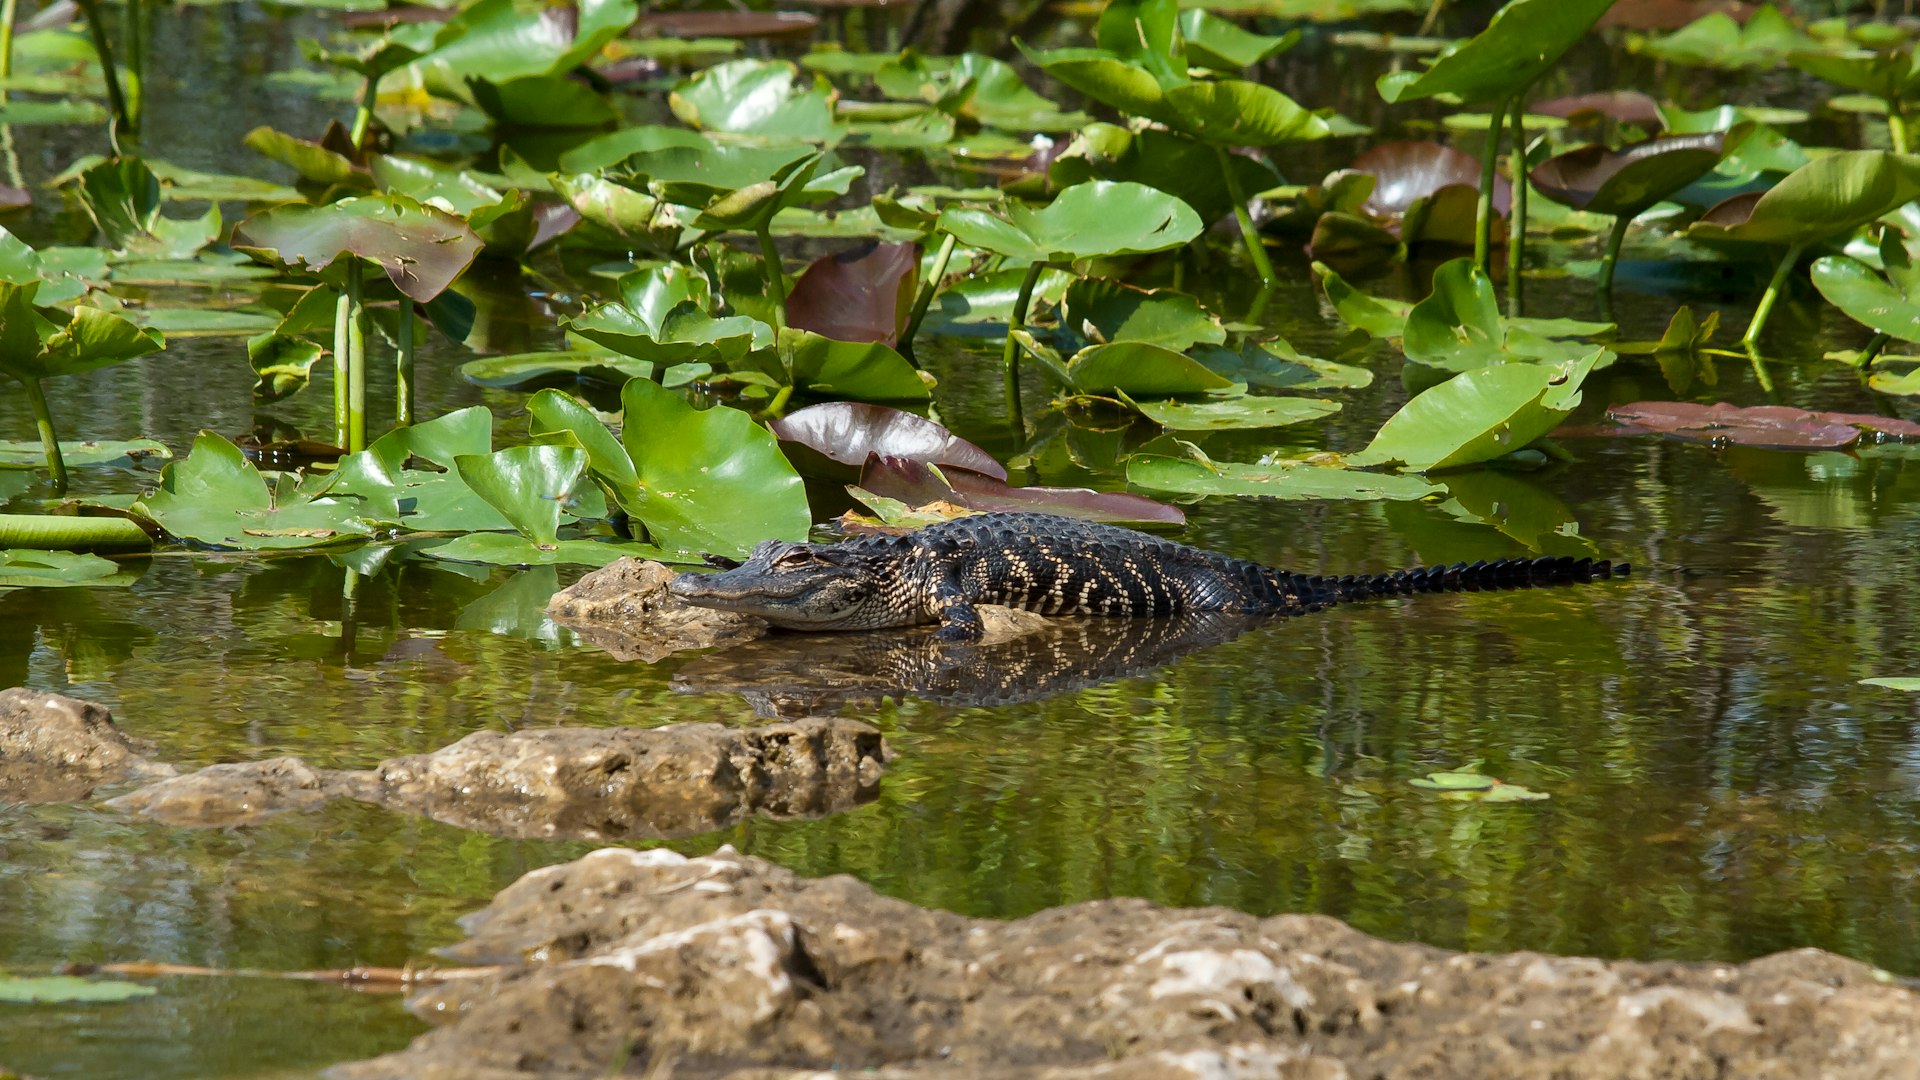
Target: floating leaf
x,y
1775,427
1630,180
23,454
1142,370
1894,682
1827,196
756,97
1468,785
215,496
1238,412
49,989
21,568
1278,480
1097,219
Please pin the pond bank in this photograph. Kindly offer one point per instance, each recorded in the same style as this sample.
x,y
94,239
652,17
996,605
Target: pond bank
x,y
729,966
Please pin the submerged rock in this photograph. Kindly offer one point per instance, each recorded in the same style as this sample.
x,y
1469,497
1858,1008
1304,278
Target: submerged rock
x,y
729,966
235,794
571,783
54,748
625,609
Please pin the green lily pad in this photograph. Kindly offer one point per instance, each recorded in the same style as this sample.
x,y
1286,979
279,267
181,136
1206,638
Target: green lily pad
x,y
49,989
507,549
1183,167
123,198
30,454
21,569
554,413
757,97
1276,365
316,164
707,480
1097,219
422,249
1220,44
848,370
1889,304
215,496
1716,40
40,343
1277,480
538,369
527,484
1102,311
1239,412
1480,415
1525,38
1827,196
206,322
1894,682
1140,369
1467,785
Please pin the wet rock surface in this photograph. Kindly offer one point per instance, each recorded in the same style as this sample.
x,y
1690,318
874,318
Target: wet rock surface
x,y
54,748
561,783
625,609
729,966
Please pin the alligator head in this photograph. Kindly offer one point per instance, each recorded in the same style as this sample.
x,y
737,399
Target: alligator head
x,y
798,587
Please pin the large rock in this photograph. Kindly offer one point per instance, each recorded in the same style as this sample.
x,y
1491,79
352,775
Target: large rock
x,y
561,783
54,748
727,966
625,608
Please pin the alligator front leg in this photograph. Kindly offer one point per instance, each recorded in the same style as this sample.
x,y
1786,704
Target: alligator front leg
x,y
959,619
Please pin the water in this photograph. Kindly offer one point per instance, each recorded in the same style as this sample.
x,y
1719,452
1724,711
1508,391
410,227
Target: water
x,y
1721,785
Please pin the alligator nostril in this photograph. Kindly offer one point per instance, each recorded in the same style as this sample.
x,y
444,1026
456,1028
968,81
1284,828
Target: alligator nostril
x,y
685,585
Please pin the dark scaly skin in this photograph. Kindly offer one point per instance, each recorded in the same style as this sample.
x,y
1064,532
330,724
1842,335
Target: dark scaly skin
x,y
1054,566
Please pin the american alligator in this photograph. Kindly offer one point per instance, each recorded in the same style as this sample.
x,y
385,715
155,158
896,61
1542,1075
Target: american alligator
x,y
1055,566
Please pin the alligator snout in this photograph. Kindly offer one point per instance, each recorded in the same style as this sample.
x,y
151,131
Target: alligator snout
x,y
689,586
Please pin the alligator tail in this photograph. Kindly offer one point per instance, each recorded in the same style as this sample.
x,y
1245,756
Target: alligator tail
x,y
1488,576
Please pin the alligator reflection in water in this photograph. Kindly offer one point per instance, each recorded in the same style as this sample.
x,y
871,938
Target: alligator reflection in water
x,y
789,676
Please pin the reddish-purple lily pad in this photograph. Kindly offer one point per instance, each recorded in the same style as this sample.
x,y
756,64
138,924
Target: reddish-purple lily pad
x,y
1631,179
1405,172
1672,14
862,295
1626,106
1774,427
918,484
834,440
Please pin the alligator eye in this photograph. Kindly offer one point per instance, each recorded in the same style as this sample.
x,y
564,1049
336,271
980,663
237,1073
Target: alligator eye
x,y
795,559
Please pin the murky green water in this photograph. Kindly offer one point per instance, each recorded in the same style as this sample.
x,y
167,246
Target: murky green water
x,y
1721,785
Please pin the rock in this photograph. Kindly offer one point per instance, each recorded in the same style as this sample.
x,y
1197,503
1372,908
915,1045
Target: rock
x,y
1000,624
729,966
235,794
54,748
604,783
625,609
572,783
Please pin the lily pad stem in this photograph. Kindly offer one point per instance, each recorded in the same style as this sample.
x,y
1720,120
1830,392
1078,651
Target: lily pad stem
x,y
1010,355
356,360
776,280
43,419
1897,127
1765,310
9,10
1872,352
403,366
363,115
1483,215
1612,258
64,532
1243,218
342,357
1517,220
117,101
927,289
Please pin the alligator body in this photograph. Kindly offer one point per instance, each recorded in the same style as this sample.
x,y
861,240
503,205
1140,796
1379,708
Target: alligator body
x,y
1055,566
